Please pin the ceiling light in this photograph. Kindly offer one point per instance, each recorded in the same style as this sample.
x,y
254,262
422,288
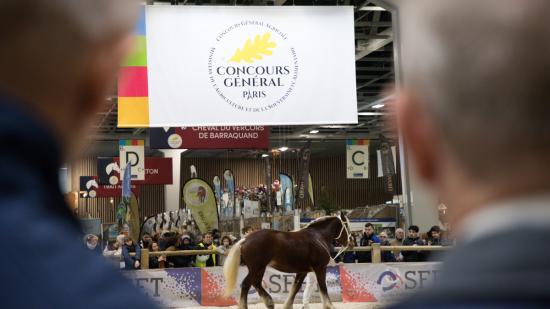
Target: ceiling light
x,y
377,106
283,149
372,8
335,127
314,131
371,114
265,155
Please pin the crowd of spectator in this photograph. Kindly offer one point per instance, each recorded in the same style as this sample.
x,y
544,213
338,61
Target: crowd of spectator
x,y
433,237
127,253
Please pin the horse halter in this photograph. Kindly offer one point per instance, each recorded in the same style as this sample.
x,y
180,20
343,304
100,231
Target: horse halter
x,y
342,249
344,227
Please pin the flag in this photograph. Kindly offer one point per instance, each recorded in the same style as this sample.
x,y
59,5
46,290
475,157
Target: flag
x,y
379,161
126,191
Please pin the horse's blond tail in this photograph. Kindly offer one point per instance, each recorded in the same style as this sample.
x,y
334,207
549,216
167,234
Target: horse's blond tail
x,y
231,268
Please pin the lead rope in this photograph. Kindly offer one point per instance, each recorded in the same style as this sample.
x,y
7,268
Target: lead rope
x,y
342,250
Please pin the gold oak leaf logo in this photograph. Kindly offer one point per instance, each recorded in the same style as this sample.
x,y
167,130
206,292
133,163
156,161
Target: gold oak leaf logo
x,y
253,51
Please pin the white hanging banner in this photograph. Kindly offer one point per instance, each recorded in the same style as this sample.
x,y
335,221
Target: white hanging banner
x,y
132,152
216,65
357,155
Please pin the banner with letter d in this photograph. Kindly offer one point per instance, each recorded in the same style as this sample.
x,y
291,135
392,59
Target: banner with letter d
x,y
132,151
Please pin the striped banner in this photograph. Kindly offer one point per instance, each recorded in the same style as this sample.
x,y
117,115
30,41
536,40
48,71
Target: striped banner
x,y
133,96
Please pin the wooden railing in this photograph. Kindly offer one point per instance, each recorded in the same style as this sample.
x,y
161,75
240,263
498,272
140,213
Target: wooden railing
x,y
375,249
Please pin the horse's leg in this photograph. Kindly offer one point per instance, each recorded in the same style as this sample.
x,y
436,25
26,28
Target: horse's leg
x,y
257,283
294,290
321,274
245,287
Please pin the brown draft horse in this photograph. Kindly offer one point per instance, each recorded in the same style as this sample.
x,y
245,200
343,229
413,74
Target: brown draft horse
x,y
293,252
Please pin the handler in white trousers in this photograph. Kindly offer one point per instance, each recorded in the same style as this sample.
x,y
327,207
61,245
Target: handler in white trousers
x,y
311,286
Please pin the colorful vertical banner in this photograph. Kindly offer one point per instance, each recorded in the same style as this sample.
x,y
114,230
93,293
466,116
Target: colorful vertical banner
x,y
200,199
287,190
132,153
218,191
133,85
357,158
228,210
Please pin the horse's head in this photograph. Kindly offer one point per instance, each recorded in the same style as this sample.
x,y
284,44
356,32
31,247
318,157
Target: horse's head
x,y
344,237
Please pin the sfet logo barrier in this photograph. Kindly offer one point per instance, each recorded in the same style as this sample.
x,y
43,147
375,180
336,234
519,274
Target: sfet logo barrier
x,y
412,279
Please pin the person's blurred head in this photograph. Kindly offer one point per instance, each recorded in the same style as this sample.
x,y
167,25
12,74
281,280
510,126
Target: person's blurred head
x,y
399,234
128,241
198,238
383,236
91,241
154,246
413,231
434,232
186,239
226,241
207,239
473,108
120,239
146,237
60,59
247,230
368,229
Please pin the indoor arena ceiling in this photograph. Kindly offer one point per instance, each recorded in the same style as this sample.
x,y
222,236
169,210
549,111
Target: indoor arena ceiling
x,y
374,72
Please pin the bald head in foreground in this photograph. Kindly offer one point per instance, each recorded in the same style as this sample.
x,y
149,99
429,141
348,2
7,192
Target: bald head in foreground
x,y
58,63
474,111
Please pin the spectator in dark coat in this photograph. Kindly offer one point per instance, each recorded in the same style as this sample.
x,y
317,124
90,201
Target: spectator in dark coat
x,y
368,239
184,243
131,262
59,61
156,261
387,256
413,240
435,239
